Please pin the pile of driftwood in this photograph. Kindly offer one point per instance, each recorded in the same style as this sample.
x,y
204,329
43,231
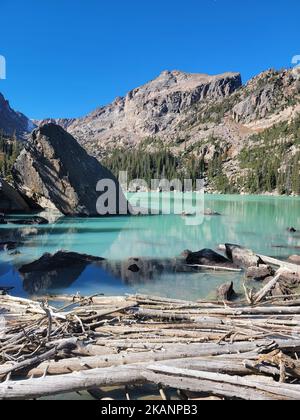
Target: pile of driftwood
x,y
201,350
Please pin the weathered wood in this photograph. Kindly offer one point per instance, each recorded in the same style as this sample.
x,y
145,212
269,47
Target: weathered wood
x,y
206,347
75,382
207,387
271,388
268,288
66,344
278,263
215,268
166,353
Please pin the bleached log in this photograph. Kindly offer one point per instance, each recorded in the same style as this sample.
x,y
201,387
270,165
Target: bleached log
x,y
207,387
268,288
167,352
283,264
26,364
74,382
215,268
280,391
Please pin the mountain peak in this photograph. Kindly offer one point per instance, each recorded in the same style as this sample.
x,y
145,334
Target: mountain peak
x,y
13,122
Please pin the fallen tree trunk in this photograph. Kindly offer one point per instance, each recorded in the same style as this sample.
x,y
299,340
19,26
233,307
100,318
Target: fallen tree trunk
x,y
268,288
74,382
166,353
269,390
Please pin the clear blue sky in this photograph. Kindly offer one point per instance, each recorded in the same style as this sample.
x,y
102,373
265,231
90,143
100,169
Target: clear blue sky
x,y
67,57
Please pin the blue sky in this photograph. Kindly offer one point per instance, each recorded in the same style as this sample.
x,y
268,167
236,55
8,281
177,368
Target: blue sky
x,y
67,57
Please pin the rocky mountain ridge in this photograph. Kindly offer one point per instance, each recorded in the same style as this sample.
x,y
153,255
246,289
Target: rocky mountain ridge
x,y
152,110
13,122
215,120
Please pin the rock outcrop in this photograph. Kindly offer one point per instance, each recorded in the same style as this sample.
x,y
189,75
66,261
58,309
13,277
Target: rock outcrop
x,y
260,273
11,200
55,172
243,257
13,122
207,257
265,93
226,292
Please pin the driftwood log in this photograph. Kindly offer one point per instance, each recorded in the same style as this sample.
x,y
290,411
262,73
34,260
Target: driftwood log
x,y
67,344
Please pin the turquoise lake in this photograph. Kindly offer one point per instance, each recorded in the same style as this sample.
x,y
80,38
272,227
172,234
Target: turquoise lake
x,y
259,223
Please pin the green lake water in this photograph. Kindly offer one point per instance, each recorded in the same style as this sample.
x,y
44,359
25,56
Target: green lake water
x,y
259,223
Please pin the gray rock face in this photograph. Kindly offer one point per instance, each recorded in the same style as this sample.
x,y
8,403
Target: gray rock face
x,y
243,257
154,109
12,122
55,172
10,200
207,257
270,91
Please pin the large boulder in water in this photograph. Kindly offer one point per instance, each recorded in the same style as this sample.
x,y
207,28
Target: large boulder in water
x,y
11,200
56,173
260,273
243,257
207,257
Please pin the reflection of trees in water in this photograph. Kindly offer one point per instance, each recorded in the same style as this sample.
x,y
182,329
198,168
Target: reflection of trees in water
x,y
255,222
70,235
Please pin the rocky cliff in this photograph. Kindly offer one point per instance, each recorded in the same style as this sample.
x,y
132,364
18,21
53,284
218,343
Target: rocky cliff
x,y
152,110
55,172
13,122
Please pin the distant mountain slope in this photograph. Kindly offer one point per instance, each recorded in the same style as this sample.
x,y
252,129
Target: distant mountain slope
x,y
240,138
155,109
12,122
